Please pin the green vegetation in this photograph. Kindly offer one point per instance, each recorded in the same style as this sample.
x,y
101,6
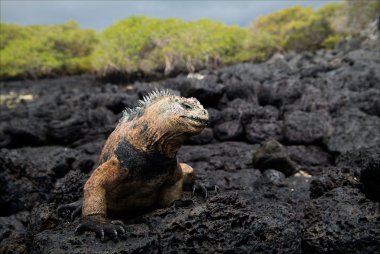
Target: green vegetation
x,y
295,28
150,46
358,14
37,51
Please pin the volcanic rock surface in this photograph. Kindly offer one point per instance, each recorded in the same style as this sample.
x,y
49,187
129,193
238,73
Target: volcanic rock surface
x,y
316,190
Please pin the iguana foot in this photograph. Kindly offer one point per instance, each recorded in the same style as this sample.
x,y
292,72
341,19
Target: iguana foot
x,y
101,226
200,188
74,207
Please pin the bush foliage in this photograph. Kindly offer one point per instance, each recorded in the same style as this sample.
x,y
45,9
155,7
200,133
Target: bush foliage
x,y
37,51
292,29
147,45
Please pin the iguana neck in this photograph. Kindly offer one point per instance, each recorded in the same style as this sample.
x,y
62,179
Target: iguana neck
x,y
146,136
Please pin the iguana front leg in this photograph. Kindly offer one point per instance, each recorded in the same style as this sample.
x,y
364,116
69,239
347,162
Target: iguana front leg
x,y
94,210
188,175
184,177
189,178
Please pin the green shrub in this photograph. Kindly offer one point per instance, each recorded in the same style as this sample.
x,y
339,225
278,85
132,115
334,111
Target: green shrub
x,y
359,14
332,40
350,18
147,44
331,11
35,51
27,58
292,29
259,45
9,33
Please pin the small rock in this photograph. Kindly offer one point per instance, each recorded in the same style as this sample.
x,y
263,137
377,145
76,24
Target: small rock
x,y
272,155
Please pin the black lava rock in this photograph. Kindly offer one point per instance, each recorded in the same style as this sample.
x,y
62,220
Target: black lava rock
x,y
306,128
28,175
13,235
231,130
272,155
261,130
342,221
367,161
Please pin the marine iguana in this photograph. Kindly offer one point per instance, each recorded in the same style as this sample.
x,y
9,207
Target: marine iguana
x,y
138,167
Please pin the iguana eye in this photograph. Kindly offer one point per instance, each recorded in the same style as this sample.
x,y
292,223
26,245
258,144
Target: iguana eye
x,y
186,106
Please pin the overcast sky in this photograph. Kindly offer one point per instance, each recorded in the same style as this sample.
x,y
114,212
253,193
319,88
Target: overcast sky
x,y
100,14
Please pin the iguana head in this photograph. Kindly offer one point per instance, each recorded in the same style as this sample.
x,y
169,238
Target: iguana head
x,y
166,120
178,115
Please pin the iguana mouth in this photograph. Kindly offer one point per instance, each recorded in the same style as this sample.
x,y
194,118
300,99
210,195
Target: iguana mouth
x,y
198,120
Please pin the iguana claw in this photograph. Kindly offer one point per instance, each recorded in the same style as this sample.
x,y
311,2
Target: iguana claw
x,y
102,227
200,188
74,207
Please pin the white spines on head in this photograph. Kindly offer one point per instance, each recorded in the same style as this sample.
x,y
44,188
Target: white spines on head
x,y
153,95
131,113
